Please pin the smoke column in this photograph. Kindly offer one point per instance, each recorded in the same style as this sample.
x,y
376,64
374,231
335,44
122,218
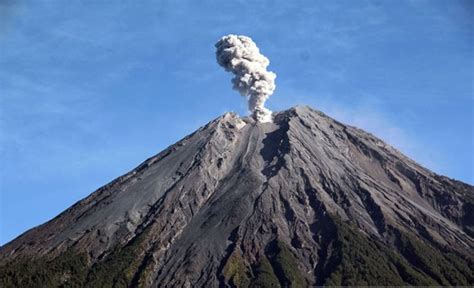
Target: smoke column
x,y
240,55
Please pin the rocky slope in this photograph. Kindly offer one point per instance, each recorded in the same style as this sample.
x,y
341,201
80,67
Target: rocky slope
x,y
299,202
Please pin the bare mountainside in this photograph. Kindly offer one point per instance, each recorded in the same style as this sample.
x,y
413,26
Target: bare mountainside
x,y
299,202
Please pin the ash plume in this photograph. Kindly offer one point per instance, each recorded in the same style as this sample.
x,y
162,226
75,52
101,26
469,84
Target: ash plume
x,y
240,55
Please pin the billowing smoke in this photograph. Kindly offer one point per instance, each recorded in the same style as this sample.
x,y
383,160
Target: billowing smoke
x,y
239,55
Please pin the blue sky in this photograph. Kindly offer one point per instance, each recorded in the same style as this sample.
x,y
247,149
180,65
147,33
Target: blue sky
x,y
90,89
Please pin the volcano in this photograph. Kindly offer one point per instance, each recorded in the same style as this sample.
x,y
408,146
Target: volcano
x,y
303,201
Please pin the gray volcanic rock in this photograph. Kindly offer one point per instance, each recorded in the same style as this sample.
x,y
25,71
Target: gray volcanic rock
x,y
302,201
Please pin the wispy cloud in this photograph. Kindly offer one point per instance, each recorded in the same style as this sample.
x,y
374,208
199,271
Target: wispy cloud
x,y
375,121
368,113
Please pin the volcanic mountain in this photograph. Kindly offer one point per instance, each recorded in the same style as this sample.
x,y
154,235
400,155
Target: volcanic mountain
x,y
299,202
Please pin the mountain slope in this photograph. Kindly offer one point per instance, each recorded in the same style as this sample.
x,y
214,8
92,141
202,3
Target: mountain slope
x,y
302,201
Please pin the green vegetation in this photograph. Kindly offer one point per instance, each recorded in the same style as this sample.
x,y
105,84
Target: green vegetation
x,y
67,270
73,270
286,267
446,268
278,268
119,268
236,271
354,259
264,275
362,261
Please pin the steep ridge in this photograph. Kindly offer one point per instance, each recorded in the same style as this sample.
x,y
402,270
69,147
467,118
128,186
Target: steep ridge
x,y
303,201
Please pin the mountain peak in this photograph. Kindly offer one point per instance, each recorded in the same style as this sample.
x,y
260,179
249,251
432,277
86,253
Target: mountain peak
x,y
293,202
